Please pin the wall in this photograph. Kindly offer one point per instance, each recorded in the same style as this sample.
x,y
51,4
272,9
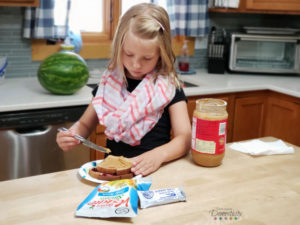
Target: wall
x,y
18,49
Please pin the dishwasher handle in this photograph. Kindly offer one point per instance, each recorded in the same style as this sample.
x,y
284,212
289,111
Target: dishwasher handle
x,y
33,131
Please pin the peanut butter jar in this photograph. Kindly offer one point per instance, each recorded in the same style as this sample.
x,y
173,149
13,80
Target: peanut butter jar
x,y
209,132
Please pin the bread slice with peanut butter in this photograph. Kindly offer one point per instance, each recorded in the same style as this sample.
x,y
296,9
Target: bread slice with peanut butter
x,y
112,168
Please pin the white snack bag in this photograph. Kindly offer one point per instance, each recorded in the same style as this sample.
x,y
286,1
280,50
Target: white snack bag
x,y
161,197
114,199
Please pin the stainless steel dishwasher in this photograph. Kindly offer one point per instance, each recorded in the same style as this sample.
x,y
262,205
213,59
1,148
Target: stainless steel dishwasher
x,y
28,142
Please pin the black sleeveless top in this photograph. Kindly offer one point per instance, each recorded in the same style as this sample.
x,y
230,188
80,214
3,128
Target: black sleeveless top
x,y
159,135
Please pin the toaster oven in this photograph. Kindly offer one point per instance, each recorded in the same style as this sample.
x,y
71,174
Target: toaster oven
x,y
258,53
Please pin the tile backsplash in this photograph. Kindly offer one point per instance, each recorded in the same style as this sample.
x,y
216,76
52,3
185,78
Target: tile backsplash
x,y
18,50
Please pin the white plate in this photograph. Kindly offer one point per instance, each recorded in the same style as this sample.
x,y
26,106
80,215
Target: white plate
x,y
84,171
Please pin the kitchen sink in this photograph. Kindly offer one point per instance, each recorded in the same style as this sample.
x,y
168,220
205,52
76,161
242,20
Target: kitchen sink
x,y
186,84
92,85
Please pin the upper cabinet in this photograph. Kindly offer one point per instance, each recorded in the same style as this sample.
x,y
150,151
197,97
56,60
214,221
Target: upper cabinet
x,y
28,3
264,6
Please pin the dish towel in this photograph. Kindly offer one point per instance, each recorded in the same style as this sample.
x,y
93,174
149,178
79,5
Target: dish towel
x,y
188,18
258,147
129,116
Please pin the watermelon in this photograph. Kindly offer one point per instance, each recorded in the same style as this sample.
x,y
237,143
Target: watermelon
x,y
63,73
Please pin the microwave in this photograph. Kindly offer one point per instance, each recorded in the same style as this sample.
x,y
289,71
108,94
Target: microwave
x,y
260,53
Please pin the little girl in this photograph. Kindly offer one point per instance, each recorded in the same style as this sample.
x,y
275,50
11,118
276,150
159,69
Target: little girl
x,y
139,99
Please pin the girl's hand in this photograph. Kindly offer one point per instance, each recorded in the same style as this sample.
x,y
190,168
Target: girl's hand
x,y
66,140
87,123
146,163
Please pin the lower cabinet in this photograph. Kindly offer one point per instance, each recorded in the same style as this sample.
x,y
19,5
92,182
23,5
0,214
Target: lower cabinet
x,y
258,114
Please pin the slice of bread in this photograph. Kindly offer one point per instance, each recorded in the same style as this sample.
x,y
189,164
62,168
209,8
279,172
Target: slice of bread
x,y
112,168
118,165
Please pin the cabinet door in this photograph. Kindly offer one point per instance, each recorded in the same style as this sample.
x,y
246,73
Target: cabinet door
x,y
263,6
283,120
230,110
277,5
248,118
191,105
32,3
99,138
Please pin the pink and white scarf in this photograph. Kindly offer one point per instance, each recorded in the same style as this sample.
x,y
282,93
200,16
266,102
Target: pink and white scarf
x,y
129,116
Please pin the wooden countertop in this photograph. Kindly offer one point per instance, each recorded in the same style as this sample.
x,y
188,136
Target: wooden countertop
x,y
257,190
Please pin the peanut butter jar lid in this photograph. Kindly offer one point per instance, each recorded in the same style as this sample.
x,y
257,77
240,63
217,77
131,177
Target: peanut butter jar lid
x,y
211,104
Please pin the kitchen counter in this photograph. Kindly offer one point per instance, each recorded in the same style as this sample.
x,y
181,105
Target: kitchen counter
x,y
226,83
26,93
249,190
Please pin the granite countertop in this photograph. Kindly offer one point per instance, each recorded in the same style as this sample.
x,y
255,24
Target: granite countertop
x,y
26,93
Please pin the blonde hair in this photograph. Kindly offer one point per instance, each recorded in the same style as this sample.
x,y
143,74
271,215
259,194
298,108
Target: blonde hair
x,y
147,21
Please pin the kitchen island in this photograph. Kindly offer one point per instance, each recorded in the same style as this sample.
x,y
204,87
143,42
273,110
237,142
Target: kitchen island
x,y
243,190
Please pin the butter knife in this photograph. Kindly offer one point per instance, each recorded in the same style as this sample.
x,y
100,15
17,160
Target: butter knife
x,y
87,142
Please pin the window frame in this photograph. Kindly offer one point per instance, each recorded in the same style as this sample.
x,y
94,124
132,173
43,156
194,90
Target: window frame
x,y
95,37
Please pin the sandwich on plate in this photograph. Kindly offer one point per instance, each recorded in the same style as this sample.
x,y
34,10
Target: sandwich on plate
x,y
112,168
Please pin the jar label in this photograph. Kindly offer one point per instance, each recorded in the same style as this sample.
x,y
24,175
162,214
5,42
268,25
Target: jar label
x,y
209,137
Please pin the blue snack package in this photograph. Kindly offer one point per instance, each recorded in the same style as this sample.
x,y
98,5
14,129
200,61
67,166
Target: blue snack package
x,y
117,198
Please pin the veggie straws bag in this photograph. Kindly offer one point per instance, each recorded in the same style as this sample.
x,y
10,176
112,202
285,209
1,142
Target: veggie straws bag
x,y
114,199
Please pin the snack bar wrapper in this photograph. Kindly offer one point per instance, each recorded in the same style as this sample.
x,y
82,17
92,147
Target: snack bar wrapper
x,y
161,197
117,198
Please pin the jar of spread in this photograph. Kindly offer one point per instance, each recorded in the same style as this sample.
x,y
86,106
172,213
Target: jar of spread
x,y
209,132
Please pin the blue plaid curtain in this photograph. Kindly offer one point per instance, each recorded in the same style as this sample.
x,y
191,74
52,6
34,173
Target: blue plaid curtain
x,y
39,22
188,17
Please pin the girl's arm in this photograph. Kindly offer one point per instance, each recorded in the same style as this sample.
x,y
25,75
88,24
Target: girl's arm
x,y
86,124
150,161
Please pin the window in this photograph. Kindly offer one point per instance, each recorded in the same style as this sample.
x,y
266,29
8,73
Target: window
x,y
97,21
92,18
87,21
